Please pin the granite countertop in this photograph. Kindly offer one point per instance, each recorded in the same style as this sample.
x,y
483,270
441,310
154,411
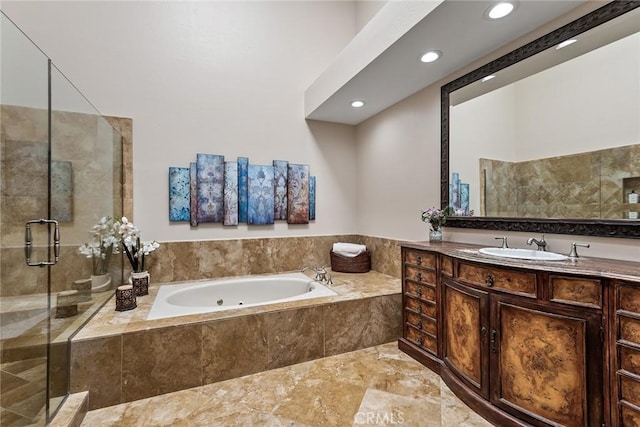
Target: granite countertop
x,y
588,266
109,322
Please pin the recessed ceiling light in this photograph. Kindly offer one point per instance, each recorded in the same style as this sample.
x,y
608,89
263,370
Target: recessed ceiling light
x,y
500,10
357,104
431,56
566,43
487,78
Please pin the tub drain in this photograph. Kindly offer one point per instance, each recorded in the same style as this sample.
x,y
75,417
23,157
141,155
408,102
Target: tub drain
x,y
220,301
240,303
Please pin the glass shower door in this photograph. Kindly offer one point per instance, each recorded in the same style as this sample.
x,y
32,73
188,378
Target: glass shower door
x,y
60,174
24,168
86,186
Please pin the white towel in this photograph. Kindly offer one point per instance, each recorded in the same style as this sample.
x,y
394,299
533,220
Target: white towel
x,y
348,249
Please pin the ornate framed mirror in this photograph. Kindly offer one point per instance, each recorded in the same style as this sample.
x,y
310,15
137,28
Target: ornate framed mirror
x,y
573,180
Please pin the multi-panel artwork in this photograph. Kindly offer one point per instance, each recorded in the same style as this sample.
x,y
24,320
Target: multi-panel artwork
x,y
459,196
212,190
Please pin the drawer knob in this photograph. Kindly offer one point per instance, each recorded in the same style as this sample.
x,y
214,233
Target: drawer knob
x,y
420,325
419,260
420,309
420,292
489,280
420,340
419,276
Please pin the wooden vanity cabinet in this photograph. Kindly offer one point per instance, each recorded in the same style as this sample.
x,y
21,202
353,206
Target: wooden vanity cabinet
x,y
420,299
522,347
626,366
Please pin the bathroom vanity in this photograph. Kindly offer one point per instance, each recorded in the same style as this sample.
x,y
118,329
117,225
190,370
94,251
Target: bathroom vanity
x,y
526,342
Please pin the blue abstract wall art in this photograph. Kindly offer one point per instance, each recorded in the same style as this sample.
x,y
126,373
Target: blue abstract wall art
x,y
298,194
230,193
211,190
260,195
458,196
179,194
312,198
243,188
193,192
210,175
280,188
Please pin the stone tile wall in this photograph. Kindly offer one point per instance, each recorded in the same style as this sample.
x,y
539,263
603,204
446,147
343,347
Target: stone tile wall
x,y
585,185
96,156
206,259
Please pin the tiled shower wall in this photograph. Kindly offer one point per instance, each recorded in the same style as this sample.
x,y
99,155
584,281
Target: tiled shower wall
x,y
78,138
586,185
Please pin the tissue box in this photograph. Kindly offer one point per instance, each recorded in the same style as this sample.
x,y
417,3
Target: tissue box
x,y
358,264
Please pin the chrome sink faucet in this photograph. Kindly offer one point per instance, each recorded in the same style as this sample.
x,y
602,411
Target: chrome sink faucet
x,y
573,253
542,244
504,242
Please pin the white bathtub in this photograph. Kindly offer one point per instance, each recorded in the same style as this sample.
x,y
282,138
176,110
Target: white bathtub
x,y
224,294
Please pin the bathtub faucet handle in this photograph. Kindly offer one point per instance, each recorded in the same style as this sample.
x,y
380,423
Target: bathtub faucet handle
x,y
321,274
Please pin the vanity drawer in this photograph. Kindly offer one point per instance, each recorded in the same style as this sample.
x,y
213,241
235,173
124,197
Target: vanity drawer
x,y
630,360
420,258
422,339
630,390
630,417
423,324
422,307
513,281
446,266
629,329
628,298
420,275
576,291
425,292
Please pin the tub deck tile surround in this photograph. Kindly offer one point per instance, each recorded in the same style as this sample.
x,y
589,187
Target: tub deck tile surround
x,y
341,390
120,356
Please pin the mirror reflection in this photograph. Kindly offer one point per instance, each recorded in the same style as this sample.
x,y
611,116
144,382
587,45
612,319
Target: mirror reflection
x,y
554,136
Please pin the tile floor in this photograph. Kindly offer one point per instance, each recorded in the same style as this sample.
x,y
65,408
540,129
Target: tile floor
x,y
374,386
22,392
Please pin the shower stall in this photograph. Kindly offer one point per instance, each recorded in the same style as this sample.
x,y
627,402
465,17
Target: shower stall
x,y
60,173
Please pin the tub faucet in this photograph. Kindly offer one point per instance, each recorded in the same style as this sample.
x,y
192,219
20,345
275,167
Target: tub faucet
x,y
542,244
321,274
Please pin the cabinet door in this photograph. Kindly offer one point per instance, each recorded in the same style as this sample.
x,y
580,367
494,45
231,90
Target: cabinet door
x,y
466,323
546,367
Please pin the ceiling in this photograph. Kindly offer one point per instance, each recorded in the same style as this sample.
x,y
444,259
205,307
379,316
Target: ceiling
x,y
458,29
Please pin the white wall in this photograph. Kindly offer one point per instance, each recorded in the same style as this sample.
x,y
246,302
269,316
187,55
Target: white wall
x,y
489,132
365,10
596,103
399,167
213,77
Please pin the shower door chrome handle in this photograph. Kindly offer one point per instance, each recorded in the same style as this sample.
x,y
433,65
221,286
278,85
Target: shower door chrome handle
x,y
28,244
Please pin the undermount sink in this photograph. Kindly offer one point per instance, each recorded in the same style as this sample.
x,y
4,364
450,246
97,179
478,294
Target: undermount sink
x,y
523,254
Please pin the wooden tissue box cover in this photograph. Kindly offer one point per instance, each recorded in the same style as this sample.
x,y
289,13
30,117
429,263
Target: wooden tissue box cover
x,y
358,264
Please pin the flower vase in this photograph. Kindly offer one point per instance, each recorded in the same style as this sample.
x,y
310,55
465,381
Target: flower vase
x,y
100,283
435,235
140,282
